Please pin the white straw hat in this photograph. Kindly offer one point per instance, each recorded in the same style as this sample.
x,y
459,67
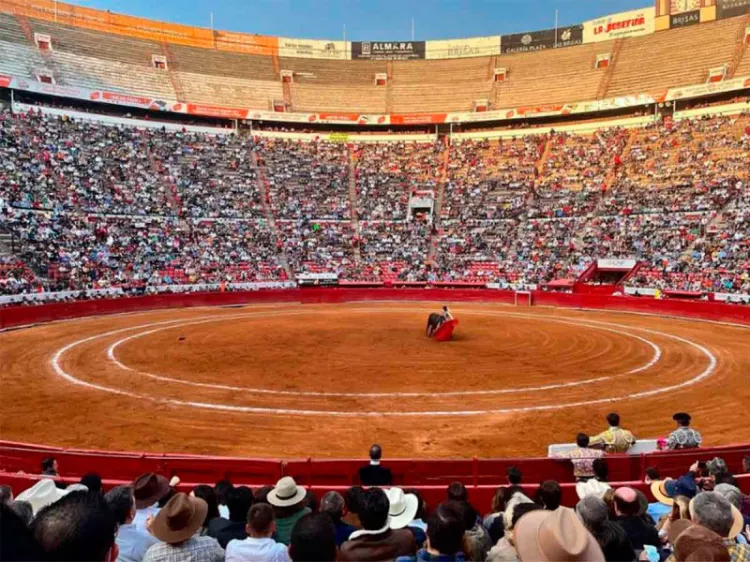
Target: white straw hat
x,y
286,493
403,508
44,493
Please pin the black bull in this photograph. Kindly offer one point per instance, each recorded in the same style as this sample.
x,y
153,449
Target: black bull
x,y
433,322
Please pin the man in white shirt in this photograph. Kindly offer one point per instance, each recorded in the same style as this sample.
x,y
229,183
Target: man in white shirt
x,y
132,541
258,546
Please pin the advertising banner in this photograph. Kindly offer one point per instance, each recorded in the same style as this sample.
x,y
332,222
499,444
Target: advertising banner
x,y
682,6
463,48
617,26
244,43
708,89
541,40
732,8
313,49
388,50
684,19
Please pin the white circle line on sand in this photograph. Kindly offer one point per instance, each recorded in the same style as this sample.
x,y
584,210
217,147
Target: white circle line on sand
x,y
710,368
657,353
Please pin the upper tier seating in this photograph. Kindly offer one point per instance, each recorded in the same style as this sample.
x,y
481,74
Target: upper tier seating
x,y
551,76
440,85
642,65
652,63
100,60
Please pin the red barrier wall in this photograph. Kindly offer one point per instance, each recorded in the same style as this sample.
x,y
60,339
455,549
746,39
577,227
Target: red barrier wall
x,y
27,458
16,316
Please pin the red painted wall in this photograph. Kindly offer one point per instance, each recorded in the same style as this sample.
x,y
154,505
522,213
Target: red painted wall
x,y
16,316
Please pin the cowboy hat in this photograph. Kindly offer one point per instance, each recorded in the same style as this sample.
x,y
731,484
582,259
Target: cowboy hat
x,y
286,493
403,508
676,528
555,535
180,519
43,493
591,487
738,522
149,488
665,490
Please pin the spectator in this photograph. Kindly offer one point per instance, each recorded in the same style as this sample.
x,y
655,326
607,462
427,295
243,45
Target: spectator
x,y
332,504
582,458
132,542
611,537
627,508
50,466
476,538
259,545
713,511
23,510
6,494
615,439
311,501
222,489
684,437
457,492
177,525
402,511
549,495
746,465
734,496
555,535
445,535
92,481
42,494
514,475
373,474
18,542
700,544
208,495
417,525
79,526
148,489
239,501
261,495
376,540
652,474
505,549
288,500
353,498
313,540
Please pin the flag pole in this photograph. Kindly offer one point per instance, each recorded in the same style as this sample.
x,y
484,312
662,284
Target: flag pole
x,y
556,29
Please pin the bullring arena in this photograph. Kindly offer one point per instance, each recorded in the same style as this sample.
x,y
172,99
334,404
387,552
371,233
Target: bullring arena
x,y
283,379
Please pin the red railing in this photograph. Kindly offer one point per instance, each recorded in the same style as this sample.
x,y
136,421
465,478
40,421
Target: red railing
x,y
19,462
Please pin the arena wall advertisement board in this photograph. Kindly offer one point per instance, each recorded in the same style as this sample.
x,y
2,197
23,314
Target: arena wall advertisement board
x,y
344,118
542,40
620,25
684,19
388,50
732,8
313,49
464,48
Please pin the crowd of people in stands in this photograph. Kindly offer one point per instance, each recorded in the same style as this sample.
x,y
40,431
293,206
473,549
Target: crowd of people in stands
x,y
702,515
94,206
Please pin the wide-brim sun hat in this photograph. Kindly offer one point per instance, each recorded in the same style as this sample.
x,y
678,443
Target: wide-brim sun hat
x,y
555,535
403,508
42,494
149,488
286,493
180,519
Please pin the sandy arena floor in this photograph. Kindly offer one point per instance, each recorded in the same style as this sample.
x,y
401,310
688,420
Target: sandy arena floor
x,y
329,380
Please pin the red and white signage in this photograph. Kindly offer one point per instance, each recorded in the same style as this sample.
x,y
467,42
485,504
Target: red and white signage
x,y
617,26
